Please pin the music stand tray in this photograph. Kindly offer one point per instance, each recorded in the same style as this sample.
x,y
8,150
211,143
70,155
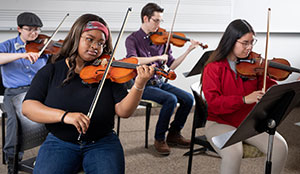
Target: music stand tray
x,y
272,109
199,65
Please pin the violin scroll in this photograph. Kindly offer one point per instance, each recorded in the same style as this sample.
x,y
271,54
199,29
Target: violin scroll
x,y
168,75
204,46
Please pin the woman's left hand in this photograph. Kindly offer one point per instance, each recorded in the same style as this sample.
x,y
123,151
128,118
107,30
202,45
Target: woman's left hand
x,y
144,73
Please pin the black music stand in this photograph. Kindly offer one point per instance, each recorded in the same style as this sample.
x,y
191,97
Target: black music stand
x,y
267,114
199,65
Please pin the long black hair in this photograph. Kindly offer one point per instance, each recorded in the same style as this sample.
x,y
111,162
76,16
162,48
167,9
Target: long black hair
x,y
235,30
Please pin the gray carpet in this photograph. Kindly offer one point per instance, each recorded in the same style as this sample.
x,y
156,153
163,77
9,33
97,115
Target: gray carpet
x,y
146,161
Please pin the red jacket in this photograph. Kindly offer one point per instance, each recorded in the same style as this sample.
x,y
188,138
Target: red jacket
x,y
224,90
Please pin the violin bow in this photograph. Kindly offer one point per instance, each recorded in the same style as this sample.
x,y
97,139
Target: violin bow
x,y
170,33
100,86
172,26
266,51
56,30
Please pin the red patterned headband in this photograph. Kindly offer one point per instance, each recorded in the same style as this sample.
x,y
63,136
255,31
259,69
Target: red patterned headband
x,y
96,25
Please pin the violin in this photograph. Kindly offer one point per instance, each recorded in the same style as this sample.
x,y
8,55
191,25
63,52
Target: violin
x,y
121,71
178,39
278,68
44,44
38,44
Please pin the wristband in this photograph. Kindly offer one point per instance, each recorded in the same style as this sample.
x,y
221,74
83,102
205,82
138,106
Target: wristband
x,y
63,117
244,100
139,89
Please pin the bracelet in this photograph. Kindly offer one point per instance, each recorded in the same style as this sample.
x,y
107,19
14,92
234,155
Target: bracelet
x,y
139,89
63,117
244,100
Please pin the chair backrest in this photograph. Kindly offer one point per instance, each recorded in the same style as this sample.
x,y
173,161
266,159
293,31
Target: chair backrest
x,y
200,114
30,134
1,93
1,85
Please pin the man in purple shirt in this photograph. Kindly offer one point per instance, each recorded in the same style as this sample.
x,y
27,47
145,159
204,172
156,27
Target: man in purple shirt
x,y
139,45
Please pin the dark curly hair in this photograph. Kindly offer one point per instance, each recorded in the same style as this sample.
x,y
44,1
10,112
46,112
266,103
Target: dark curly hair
x,y
69,48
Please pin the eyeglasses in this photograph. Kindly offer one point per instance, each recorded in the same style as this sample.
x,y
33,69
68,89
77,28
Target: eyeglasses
x,y
33,29
247,44
157,20
90,41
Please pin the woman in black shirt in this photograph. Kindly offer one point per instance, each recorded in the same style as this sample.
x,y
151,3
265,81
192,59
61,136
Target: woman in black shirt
x,y
58,98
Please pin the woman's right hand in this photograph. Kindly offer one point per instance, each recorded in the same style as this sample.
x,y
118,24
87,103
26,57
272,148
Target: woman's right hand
x,y
32,57
254,97
79,120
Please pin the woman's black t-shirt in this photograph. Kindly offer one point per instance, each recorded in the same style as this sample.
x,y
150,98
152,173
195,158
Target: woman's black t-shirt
x,y
75,96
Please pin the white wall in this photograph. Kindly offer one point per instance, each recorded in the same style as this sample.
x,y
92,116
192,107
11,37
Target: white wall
x,y
199,19
281,45
213,14
282,17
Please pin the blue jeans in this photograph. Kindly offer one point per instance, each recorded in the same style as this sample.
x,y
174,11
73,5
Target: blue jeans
x,y
104,156
168,96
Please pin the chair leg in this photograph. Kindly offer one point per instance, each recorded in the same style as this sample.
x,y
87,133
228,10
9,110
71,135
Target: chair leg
x,y
118,125
148,113
191,151
3,137
16,157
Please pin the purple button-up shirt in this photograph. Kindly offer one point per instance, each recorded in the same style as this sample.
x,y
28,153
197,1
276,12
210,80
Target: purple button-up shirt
x,y
138,44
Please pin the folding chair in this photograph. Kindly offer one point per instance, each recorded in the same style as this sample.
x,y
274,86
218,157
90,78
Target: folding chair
x,y
199,120
29,135
3,116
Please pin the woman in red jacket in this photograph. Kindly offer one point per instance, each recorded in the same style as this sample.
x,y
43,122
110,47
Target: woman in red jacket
x,y
231,97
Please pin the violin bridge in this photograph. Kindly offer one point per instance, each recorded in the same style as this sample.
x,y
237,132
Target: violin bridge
x,y
97,62
45,41
104,62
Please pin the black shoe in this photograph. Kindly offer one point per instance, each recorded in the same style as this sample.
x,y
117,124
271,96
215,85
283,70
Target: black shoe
x,y
10,165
